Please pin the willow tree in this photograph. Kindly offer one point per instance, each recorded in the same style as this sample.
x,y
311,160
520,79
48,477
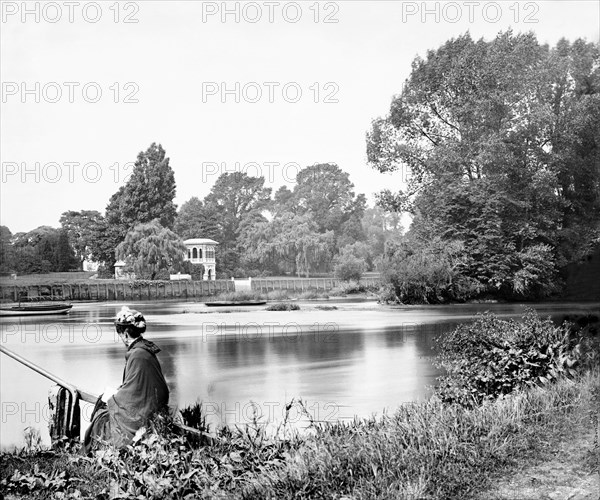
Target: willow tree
x,y
289,240
151,250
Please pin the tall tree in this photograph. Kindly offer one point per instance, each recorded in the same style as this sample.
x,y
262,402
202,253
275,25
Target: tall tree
x,y
65,258
150,248
147,195
324,192
232,198
82,228
194,220
475,126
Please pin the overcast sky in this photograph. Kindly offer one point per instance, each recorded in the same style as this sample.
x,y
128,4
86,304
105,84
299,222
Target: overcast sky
x,y
307,88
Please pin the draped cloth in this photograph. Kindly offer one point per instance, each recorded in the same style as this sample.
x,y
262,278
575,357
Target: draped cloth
x,y
142,393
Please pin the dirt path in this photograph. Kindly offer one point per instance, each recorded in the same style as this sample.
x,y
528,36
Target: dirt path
x,y
567,475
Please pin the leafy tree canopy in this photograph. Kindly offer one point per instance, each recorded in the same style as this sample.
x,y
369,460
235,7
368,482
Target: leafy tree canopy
x,y
291,239
148,193
501,141
150,248
82,228
195,220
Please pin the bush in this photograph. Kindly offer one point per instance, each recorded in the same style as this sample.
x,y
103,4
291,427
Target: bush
x,y
196,271
348,267
105,272
283,306
429,273
162,275
492,357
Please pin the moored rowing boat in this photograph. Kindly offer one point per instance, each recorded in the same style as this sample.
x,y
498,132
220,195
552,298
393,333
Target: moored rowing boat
x,y
34,309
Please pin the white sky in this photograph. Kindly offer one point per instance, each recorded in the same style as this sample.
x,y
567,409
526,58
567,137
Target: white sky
x,y
167,57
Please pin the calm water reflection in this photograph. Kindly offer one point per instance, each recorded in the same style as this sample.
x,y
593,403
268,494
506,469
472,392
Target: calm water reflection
x,y
358,360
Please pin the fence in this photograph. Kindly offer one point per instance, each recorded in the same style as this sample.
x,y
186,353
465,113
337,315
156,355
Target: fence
x,y
126,290
304,284
159,290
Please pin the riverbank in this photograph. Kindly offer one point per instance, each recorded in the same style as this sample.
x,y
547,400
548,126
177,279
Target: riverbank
x,y
425,451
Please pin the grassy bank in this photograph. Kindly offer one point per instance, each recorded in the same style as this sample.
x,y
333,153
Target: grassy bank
x,y
426,451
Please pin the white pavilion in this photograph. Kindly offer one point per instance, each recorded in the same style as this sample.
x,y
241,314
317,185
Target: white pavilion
x,y
202,251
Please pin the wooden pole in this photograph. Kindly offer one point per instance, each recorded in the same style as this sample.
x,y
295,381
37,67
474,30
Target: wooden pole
x,y
86,396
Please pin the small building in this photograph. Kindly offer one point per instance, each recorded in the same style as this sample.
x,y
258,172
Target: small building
x,y
202,251
120,273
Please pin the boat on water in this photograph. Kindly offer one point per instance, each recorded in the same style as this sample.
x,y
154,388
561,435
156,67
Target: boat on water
x,y
34,309
224,303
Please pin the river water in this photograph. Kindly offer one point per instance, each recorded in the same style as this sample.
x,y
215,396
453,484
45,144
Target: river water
x,y
242,362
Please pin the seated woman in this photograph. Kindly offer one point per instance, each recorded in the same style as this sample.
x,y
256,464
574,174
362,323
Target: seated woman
x,y
119,414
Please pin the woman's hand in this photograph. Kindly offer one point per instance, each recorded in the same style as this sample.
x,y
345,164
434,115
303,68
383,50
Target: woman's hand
x,y
108,392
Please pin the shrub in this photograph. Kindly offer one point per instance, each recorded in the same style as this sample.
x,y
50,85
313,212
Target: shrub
x,y
162,275
283,306
428,273
348,267
492,357
105,272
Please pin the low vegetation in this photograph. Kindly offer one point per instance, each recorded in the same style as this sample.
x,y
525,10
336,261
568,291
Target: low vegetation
x,y
283,306
240,296
492,357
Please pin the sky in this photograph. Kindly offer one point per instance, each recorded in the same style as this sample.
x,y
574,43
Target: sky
x,y
264,88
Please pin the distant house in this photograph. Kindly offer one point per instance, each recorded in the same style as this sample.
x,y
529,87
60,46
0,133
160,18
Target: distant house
x,y
202,251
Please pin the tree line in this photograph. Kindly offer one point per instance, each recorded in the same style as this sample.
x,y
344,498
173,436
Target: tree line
x,y
314,227
500,139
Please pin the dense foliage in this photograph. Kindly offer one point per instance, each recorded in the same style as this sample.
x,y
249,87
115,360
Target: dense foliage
x,y
43,250
492,357
308,226
501,140
347,266
426,273
151,248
